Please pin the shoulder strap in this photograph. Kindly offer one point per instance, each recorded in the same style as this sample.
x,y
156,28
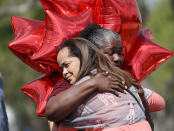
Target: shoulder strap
x,y
135,99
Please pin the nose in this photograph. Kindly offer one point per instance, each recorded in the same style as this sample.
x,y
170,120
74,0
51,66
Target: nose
x,y
118,60
65,72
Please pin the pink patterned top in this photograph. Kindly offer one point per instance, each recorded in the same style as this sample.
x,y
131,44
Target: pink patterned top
x,y
105,110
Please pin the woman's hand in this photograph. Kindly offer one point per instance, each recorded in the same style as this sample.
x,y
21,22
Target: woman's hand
x,y
105,83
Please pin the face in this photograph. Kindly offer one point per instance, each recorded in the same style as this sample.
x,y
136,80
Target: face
x,y
114,52
70,65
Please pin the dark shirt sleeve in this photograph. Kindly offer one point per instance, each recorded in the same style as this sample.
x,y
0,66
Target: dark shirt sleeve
x,y
59,87
3,114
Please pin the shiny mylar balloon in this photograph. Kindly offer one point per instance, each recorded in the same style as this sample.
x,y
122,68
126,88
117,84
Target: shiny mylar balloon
x,y
146,56
29,35
66,7
108,13
40,89
122,16
58,29
36,45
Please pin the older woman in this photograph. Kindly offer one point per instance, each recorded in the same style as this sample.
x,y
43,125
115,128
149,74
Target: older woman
x,y
110,43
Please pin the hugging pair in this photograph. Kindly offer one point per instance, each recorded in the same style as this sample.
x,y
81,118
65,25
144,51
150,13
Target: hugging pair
x,y
87,98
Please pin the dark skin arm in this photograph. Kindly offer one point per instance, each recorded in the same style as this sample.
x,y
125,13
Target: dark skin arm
x,y
64,103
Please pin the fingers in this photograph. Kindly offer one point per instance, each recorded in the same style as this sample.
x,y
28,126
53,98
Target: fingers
x,y
124,87
118,88
119,83
115,79
113,92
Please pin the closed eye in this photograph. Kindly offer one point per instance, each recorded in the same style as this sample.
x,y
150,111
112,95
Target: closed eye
x,y
110,52
65,65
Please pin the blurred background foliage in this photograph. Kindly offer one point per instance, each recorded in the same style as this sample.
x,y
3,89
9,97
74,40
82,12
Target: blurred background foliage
x,y
157,16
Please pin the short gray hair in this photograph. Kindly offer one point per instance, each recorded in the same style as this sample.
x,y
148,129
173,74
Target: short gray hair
x,y
98,35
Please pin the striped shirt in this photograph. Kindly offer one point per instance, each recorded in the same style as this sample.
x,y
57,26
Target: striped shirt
x,y
105,110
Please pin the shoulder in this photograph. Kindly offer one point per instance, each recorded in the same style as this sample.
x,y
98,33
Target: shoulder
x,y
60,86
83,79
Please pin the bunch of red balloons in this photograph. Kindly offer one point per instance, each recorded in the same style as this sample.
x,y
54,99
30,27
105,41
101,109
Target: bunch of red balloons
x,y
36,42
